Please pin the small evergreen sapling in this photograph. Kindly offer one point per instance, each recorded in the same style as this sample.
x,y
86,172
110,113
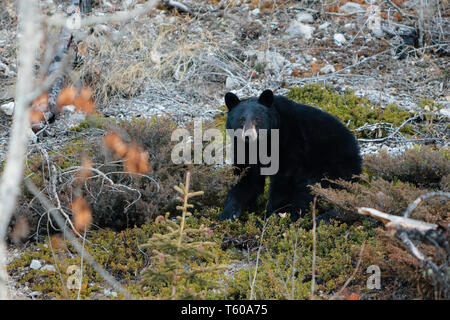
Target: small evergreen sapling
x,y
173,251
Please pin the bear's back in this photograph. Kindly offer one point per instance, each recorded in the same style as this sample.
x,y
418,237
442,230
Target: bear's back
x,y
306,115
320,136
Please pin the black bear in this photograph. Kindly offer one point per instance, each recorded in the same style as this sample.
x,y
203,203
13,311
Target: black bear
x,y
312,145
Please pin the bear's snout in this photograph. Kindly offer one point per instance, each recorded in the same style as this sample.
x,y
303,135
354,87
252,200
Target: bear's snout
x,y
249,132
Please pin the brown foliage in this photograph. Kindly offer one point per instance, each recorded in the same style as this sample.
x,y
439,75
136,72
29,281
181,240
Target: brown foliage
x,y
82,216
82,100
112,207
386,196
424,167
85,171
401,274
136,160
115,144
38,107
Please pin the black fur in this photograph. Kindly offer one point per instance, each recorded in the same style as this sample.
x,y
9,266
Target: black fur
x,y
312,145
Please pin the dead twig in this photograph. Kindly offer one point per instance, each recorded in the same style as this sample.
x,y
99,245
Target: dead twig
x,y
390,136
392,221
252,286
405,229
426,196
62,224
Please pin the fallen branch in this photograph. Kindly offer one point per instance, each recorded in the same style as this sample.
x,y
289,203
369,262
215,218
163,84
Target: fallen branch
x,y
396,221
416,202
405,229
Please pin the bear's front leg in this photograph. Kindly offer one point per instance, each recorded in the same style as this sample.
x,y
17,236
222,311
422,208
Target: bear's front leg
x,y
246,191
280,194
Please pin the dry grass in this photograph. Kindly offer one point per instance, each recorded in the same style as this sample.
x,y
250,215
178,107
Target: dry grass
x,y
119,61
423,166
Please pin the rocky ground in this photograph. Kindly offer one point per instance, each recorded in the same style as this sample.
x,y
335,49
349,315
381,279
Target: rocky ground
x,y
248,46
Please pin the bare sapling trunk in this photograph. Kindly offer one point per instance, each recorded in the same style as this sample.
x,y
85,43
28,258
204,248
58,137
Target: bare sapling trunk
x,y
30,34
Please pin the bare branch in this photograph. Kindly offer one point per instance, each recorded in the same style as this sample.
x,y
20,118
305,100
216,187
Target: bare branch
x,y
390,136
337,294
406,229
403,13
62,224
29,17
416,202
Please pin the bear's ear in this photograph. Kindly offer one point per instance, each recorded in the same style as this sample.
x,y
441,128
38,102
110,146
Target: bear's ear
x,y
266,98
231,100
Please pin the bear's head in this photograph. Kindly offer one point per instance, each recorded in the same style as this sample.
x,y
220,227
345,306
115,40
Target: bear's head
x,y
251,114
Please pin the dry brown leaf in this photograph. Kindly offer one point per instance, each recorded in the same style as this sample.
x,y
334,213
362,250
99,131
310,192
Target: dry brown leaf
x,y
115,143
136,160
86,167
82,101
82,216
21,230
38,107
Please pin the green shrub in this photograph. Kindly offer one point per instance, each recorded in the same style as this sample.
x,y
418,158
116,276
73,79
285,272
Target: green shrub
x,y
347,107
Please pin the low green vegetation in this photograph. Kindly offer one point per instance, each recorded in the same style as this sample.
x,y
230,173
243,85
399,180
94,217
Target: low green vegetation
x,y
286,255
246,259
